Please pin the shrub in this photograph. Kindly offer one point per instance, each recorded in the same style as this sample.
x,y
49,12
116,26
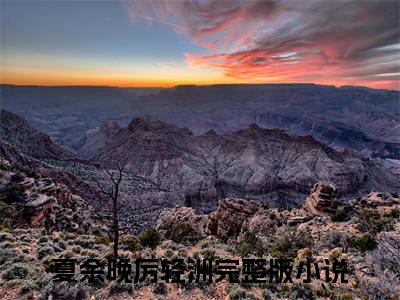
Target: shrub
x,y
102,240
171,245
76,249
336,239
5,236
6,245
244,249
160,288
364,242
340,216
85,241
25,250
335,254
322,291
89,253
4,166
44,251
10,256
209,254
251,244
149,238
48,263
121,287
241,294
168,253
44,239
62,244
131,244
31,173
71,236
6,211
182,253
14,195
303,239
16,178
55,239
6,224
287,243
371,221
184,233
100,248
148,254
265,205
394,213
17,271
63,290
300,291
67,254
346,296
28,285
204,244
305,253
275,252
25,238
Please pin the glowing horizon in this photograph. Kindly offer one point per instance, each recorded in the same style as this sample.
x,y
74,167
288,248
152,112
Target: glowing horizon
x,y
135,43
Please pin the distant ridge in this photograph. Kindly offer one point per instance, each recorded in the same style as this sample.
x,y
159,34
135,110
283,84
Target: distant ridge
x,y
300,84
362,119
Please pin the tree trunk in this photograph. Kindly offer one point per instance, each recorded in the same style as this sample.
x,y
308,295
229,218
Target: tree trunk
x,y
116,229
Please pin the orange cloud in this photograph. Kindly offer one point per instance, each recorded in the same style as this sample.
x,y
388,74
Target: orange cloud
x,y
335,42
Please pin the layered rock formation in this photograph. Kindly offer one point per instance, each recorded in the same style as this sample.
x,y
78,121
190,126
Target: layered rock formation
x,y
28,140
234,217
265,222
322,200
27,148
228,219
180,214
40,201
99,137
165,165
268,165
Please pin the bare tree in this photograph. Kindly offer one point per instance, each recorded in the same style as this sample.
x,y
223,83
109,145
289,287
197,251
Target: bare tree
x,y
112,193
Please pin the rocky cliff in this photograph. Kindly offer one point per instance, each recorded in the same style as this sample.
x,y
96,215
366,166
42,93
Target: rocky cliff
x,y
19,133
41,201
233,216
269,165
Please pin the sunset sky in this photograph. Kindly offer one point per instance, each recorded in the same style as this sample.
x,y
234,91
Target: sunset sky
x,y
166,43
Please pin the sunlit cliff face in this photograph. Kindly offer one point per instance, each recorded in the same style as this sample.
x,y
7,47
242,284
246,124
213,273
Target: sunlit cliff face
x,y
328,42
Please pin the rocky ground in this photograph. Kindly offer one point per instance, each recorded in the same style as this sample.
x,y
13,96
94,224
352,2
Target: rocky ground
x,y
364,231
50,208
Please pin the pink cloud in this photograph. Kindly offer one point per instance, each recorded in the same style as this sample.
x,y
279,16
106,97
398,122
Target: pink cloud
x,y
336,42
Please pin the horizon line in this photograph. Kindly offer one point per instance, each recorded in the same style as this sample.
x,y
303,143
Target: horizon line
x,y
197,85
